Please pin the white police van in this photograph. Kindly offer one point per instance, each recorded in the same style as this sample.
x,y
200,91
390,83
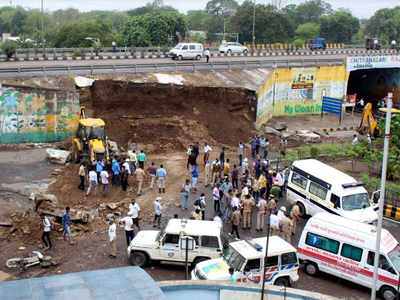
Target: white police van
x,y
187,51
317,187
247,258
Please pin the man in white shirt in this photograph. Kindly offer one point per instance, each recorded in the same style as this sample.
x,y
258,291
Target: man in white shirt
x,y
281,212
105,182
216,198
207,150
235,202
134,211
157,212
218,219
355,140
273,224
129,233
127,166
46,225
112,236
92,182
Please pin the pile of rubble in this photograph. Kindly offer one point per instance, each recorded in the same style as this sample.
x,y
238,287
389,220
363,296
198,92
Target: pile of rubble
x,y
280,129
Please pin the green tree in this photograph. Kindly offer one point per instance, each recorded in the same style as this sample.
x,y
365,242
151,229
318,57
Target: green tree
x,y
197,19
311,11
9,48
307,31
339,27
385,24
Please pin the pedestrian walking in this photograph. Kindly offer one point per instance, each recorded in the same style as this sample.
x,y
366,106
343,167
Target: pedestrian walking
x,y
207,151
152,170
235,219
240,153
161,176
248,205
133,161
112,237
116,169
82,175
185,194
66,223
46,226
139,176
92,182
195,176
157,212
104,178
207,173
295,216
261,212
216,198
207,54
134,211
141,158
128,225
124,178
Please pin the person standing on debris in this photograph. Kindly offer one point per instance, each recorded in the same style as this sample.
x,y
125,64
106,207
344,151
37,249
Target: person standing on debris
x,y
99,165
261,212
266,149
235,219
124,178
157,212
129,233
195,152
161,176
126,165
112,236
215,171
92,182
152,170
207,173
207,151
134,211
139,176
222,157
133,160
104,177
82,175
141,158
46,226
66,223
185,194
116,180
207,55
252,143
240,153
195,176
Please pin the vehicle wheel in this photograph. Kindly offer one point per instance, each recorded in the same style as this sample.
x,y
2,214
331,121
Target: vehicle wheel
x,y
139,259
245,52
302,209
198,57
229,52
311,269
180,57
283,281
388,293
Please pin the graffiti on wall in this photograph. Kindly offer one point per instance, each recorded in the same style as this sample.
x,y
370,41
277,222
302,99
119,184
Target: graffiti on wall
x,y
31,115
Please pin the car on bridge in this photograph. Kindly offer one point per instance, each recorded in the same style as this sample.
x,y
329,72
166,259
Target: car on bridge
x,y
233,47
316,44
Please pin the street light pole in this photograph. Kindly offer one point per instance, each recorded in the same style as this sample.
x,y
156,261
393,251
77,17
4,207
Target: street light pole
x,y
254,24
42,29
382,193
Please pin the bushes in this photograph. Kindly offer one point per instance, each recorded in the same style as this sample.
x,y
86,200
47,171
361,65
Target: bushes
x,y
9,48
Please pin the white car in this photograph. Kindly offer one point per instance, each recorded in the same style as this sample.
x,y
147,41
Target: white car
x,y
167,245
232,47
187,51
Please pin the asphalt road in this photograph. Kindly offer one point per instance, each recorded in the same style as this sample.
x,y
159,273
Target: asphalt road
x,y
323,283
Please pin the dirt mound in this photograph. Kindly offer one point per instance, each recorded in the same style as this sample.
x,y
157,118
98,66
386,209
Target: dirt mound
x,y
170,116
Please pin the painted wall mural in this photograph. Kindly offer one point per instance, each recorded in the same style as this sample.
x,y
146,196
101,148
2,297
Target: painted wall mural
x,y
37,115
293,91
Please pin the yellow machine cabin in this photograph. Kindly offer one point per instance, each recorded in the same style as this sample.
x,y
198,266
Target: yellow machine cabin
x,y
90,142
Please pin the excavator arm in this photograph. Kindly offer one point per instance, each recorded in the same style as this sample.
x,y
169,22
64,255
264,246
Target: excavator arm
x,y
367,117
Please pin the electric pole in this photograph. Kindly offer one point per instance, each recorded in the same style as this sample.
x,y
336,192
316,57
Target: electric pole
x,y
254,25
42,30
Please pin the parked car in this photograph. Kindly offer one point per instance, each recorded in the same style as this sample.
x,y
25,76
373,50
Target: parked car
x,y
315,44
186,51
166,245
232,47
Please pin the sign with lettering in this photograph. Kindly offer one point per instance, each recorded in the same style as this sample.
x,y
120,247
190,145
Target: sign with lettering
x,y
332,105
372,62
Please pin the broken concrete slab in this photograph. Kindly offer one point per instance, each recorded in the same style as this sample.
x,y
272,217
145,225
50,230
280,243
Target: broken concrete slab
x,y
113,147
5,221
56,156
270,130
280,125
77,215
308,136
112,206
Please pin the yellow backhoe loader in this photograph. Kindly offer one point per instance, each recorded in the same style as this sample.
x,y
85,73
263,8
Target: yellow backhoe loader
x,y
368,121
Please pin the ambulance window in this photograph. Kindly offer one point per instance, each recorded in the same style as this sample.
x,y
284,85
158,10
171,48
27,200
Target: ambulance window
x,y
192,47
289,258
252,264
351,252
272,261
383,262
184,47
209,241
335,200
299,180
318,190
171,239
323,243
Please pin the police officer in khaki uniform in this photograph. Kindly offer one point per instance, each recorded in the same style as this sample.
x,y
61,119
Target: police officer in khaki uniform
x,y
261,211
248,205
295,216
271,205
285,227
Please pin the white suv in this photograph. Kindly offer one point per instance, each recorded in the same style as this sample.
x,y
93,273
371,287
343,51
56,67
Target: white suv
x,y
166,245
187,51
232,47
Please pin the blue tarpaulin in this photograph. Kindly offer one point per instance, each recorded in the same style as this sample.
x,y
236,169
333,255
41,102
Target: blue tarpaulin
x,y
109,284
332,105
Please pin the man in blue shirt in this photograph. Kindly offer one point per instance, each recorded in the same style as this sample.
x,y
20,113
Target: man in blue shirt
x,y
116,180
99,165
161,175
195,176
66,223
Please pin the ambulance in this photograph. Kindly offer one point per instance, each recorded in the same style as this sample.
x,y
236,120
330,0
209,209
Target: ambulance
x,y
345,248
247,258
317,187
